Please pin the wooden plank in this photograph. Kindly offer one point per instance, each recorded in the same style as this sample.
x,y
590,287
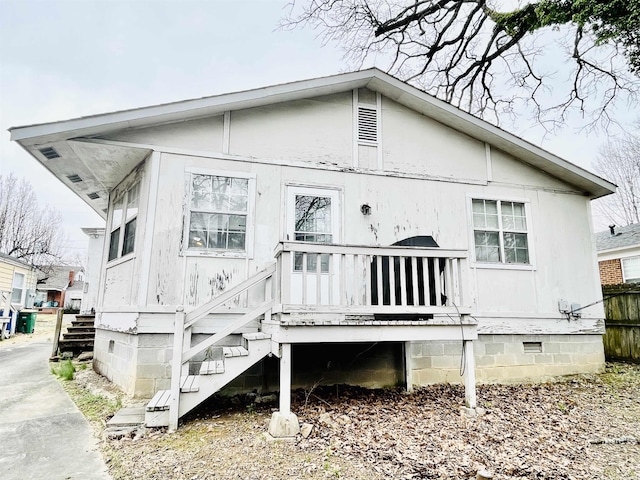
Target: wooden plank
x,y
304,278
425,279
319,280
392,251
367,279
414,280
448,282
438,282
332,259
379,280
403,281
199,312
229,329
372,310
392,281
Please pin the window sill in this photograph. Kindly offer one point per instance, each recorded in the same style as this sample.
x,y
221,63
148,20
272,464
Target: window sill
x,y
504,266
215,254
117,261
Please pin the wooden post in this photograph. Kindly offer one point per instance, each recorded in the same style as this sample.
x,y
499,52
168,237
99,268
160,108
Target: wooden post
x,y
176,369
469,375
56,335
285,379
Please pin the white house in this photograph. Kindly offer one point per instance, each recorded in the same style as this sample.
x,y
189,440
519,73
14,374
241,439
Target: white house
x,y
353,227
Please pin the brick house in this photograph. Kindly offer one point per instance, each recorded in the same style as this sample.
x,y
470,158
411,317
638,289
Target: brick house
x,y
619,254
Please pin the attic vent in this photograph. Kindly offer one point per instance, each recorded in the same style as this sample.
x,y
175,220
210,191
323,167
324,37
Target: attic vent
x,y
49,153
93,195
74,178
367,125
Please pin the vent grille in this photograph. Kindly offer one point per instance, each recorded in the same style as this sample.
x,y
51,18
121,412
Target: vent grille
x,y
367,125
532,347
74,178
49,153
93,195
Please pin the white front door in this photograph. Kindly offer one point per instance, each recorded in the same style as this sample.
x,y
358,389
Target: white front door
x,y
313,215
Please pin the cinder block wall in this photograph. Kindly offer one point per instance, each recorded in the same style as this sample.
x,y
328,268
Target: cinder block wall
x,y
508,358
610,272
141,364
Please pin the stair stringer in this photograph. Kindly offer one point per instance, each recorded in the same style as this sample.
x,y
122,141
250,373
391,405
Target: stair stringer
x,y
233,368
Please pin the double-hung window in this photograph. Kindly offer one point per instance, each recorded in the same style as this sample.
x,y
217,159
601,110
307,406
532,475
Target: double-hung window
x,y
17,289
500,232
123,223
219,208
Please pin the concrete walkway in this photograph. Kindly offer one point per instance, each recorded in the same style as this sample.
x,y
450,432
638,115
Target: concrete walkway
x,y
43,435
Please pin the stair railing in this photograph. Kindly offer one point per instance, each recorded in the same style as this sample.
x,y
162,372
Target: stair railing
x,y
183,352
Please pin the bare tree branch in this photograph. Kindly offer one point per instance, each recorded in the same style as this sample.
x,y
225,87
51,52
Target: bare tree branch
x,y
489,62
28,231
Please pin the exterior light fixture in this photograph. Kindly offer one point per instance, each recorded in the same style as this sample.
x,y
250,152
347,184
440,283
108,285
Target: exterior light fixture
x,y
365,208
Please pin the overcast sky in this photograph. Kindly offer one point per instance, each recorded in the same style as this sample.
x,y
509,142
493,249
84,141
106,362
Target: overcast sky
x,y
61,59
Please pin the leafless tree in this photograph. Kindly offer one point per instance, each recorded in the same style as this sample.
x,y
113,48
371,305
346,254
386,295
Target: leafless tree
x,y
492,62
28,231
619,162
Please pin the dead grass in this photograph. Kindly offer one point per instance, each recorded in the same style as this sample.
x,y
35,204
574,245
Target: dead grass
x,y
43,331
545,431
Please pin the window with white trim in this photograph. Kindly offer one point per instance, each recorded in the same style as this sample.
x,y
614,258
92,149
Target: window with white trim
x,y
123,223
631,270
17,289
500,232
219,208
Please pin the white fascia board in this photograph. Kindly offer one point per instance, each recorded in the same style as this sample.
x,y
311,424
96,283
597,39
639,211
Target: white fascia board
x,y
473,126
620,252
373,78
189,109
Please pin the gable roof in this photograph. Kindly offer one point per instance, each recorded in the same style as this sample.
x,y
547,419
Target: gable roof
x,y
15,261
70,138
624,237
57,278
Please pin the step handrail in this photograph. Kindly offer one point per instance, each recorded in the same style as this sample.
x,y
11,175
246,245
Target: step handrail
x,y
228,330
203,310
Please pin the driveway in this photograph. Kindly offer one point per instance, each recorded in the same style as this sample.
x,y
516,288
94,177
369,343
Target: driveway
x,y
43,435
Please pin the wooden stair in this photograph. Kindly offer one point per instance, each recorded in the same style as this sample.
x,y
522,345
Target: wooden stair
x,y
79,336
213,374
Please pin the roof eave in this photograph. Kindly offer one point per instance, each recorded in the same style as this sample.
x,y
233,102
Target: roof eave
x,y
395,89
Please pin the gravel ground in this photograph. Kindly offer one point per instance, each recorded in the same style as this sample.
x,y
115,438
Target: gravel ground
x,y
584,427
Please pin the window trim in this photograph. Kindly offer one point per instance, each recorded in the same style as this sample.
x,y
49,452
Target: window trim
x,y
530,242
124,196
248,251
313,190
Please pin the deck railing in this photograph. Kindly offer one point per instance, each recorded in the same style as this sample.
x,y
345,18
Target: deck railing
x,y
315,276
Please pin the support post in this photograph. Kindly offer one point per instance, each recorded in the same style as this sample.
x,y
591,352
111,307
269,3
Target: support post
x,y
469,375
176,369
284,424
56,335
285,379
408,367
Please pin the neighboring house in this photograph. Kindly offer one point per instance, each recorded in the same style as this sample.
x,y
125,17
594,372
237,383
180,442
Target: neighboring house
x,y
60,286
619,254
17,281
92,273
354,227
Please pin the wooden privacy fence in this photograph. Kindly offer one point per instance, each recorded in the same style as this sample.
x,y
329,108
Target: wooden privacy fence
x,y
622,312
